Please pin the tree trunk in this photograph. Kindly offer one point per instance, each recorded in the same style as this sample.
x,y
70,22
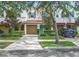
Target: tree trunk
x,y
57,35
55,28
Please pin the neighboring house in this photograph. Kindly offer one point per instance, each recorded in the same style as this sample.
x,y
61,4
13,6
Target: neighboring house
x,y
65,21
4,25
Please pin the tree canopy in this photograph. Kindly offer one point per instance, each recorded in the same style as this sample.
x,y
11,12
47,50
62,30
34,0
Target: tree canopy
x,y
48,9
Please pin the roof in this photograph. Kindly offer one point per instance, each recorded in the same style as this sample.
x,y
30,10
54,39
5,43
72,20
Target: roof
x,y
31,20
3,21
65,20
34,21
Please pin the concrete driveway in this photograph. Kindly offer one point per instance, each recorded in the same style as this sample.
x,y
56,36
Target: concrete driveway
x,y
26,42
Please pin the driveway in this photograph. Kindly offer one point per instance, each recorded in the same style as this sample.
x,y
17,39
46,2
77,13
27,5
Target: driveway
x,y
26,42
74,40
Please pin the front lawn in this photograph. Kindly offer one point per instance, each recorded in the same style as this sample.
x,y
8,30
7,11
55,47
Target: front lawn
x,y
49,37
9,38
52,44
14,35
4,44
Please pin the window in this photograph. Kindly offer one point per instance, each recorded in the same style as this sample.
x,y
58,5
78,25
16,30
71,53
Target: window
x,y
57,15
32,14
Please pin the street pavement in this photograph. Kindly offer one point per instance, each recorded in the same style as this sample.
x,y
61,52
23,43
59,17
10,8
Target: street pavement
x,y
41,53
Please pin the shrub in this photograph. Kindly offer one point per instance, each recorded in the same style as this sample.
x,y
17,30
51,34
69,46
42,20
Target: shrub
x,y
48,31
47,37
77,35
43,34
50,37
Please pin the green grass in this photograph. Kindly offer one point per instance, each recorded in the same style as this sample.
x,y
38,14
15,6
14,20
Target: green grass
x,y
9,38
48,37
4,44
52,44
77,9
14,35
77,35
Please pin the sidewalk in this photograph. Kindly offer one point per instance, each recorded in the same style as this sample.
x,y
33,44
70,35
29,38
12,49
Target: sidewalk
x,y
8,40
26,42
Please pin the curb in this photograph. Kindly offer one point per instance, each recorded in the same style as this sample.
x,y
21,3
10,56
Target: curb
x,y
48,48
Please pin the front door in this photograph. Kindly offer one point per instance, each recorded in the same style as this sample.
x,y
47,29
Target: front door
x,y
31,29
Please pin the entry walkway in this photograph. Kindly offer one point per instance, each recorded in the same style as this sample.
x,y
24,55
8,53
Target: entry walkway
x,y
26,42
74,40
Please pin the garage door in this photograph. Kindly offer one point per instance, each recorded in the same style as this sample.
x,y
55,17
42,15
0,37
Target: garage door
x,y
31,29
